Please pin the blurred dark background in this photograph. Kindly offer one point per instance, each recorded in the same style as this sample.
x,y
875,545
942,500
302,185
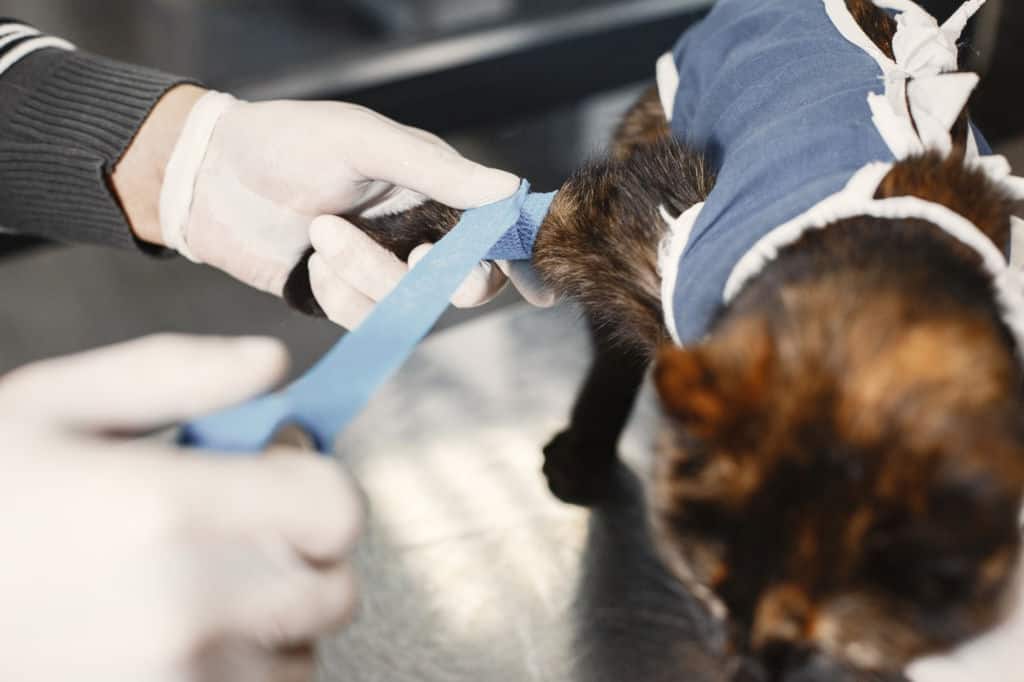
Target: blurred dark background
x,y
442,64
533,86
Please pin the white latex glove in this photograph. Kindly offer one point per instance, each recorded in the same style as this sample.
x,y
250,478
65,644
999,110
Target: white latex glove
x,y
996,656
246,181
133,560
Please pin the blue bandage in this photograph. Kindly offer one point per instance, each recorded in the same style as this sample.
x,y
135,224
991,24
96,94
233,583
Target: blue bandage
x,y
331,395
517,243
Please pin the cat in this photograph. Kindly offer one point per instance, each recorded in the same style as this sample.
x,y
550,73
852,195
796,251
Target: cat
x,y
842,463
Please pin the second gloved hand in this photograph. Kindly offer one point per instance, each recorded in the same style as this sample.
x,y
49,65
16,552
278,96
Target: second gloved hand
x,y
133,560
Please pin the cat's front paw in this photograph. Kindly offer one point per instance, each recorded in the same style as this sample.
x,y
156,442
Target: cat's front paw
x,y
577,473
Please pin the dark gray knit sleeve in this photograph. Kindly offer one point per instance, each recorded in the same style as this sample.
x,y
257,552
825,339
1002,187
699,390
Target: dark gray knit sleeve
x,y
66,118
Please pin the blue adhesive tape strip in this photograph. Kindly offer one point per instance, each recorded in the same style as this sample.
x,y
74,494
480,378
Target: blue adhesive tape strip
x,y
331,395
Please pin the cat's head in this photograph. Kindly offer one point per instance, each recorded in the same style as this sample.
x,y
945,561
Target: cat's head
x,y
857,497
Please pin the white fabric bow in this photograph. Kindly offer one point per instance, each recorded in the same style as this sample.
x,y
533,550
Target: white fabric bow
x,y
925,93
923,47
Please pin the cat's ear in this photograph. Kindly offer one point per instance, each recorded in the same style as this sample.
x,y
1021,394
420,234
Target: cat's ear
x,y
724,383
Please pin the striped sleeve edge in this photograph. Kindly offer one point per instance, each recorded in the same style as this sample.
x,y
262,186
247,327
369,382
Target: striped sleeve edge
x,y
19,40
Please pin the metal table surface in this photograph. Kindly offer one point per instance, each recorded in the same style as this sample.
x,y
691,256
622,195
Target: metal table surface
x,y
471,569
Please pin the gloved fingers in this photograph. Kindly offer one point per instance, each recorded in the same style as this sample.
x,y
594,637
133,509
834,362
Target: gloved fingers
x,y
302,608
248,662
408,160
146,383
481,286
258,590
526,280
343,304
300,498
400,199
278,606
428,136
355,258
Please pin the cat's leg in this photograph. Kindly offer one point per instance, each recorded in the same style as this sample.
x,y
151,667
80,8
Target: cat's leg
x,y
579,462
600,248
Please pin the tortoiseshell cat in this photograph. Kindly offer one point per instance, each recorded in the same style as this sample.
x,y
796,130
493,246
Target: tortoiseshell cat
x,y
843,462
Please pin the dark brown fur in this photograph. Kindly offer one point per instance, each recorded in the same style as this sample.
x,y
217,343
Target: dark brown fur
x,y
878,25
842,465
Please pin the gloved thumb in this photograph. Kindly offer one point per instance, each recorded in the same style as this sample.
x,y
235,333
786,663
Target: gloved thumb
x,y
144,384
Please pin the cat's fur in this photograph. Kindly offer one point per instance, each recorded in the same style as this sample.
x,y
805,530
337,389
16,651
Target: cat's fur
x,y
843,461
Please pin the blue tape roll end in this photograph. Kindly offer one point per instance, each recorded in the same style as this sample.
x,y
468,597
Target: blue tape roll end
x,y
247,428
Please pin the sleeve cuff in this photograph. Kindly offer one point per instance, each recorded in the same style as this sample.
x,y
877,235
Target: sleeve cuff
x,y
75,117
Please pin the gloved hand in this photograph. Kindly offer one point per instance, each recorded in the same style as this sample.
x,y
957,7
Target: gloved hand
x,y
132,560
246,181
